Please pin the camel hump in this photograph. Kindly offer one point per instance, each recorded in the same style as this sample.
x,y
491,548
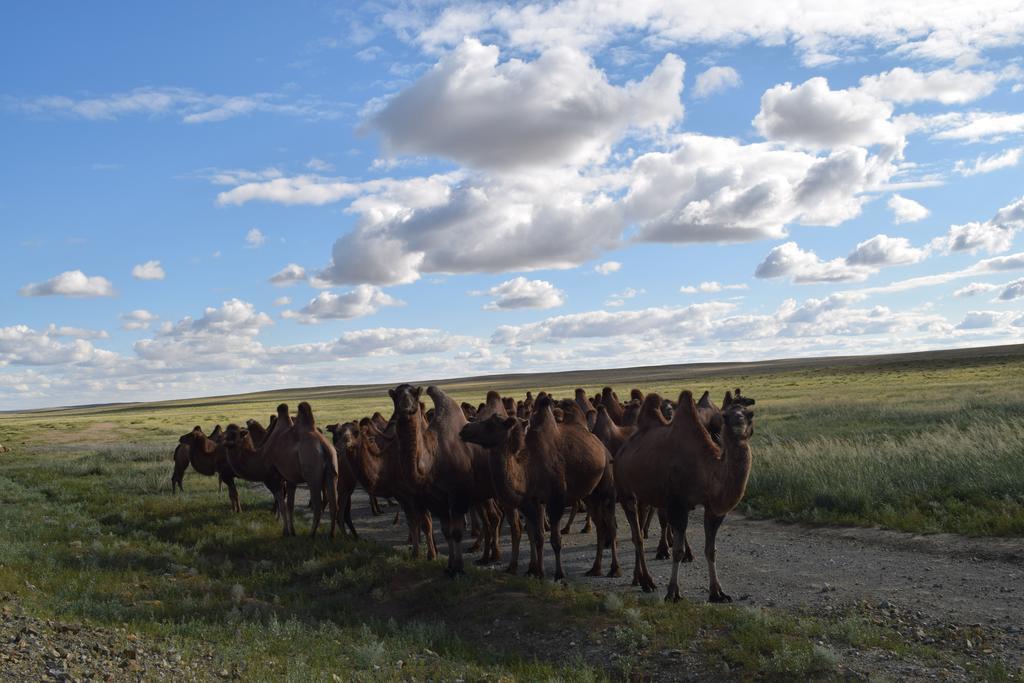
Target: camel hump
x,y
306,416
636,395
493,395
705,400
282,412
650,413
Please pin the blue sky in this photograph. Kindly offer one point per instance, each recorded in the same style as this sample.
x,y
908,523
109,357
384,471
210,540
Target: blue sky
x,y
206,199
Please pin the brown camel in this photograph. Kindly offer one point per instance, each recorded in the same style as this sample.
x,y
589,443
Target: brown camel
x,y
299,453
611,403
377,463
549,465
450,475
206,455
677,467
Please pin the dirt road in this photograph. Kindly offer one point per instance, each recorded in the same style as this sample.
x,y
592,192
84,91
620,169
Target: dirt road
x,y
933,584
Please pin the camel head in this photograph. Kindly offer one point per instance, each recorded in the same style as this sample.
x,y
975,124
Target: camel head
x,y
346,435
668,409
406,399
739,422
631,411
636,395
237,439
469,411
495,431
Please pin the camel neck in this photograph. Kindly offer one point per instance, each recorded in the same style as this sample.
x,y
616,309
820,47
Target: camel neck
x,y
368,463
736,461
508,473
412,446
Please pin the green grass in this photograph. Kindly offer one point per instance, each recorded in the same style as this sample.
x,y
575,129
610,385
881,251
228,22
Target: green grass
x,y
920,442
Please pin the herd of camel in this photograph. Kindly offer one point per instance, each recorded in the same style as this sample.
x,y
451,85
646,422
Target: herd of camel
x,y
504,461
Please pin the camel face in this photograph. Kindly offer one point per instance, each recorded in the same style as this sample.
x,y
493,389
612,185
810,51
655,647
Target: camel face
x,y
739,421
489,433
406,399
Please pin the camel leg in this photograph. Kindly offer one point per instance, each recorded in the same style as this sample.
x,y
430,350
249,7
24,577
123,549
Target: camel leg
x,y
555,510
236,506
641,576
595,569
711,524
647,515
290,509
427,522
398,516
587,527
282,508
475,530
492,519
456,525
374,506
535,531
573,509
317,504
515,532
413,521
678,519
348,515
666,536
332,498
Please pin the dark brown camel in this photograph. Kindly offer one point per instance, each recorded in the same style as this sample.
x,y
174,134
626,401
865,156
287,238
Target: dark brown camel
x,y
549,465
207,457
677,467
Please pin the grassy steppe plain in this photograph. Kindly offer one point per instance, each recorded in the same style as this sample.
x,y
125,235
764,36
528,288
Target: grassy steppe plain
x,y
921,442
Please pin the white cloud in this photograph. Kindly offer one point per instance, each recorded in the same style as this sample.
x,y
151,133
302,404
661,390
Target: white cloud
x,y
139,319
72,283
979,320
22,345
522,293
906,210
319,165
904,85
934,30
712,189
282,301
558,109
882,250
190,105
688,320
608,267
703,189
715,80
978,126
789,260
814,116
288,275
255,238
1012,290
974,289
993,236
620,298
150,270
709,287
1006,159
355,303
77,332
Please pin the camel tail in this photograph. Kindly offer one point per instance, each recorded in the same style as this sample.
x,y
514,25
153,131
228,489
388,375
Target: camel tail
x,y
305,418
